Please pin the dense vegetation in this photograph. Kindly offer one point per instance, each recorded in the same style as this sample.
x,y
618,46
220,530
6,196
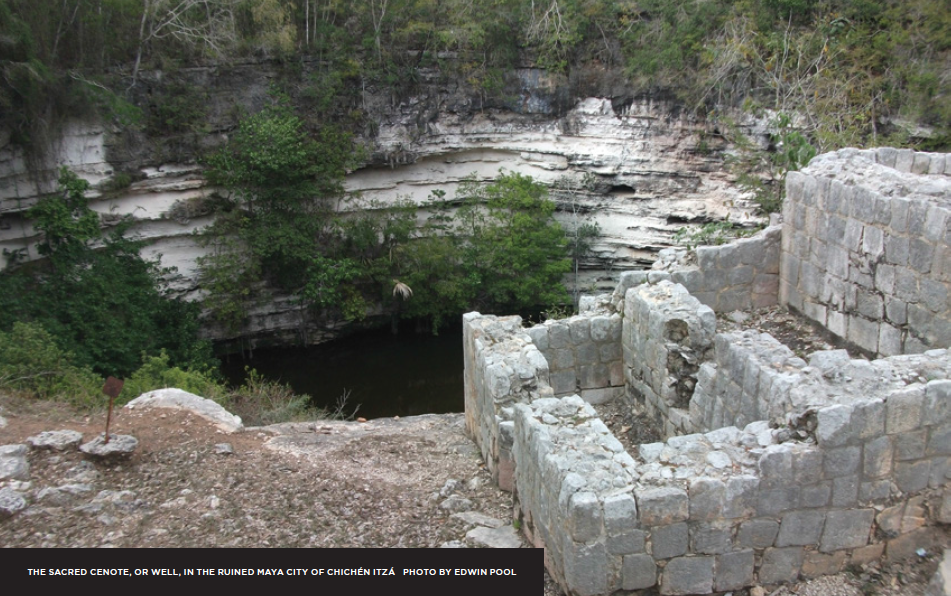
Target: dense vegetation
x,y
94,307
279,228
855,72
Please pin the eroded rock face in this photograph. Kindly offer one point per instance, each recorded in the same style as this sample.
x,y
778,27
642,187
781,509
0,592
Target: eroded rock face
x,y
638,167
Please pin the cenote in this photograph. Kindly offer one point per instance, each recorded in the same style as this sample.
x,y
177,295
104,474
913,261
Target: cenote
x,y
384,374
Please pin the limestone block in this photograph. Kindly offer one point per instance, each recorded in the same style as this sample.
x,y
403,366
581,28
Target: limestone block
x,y
707,258
920,254
586,568
562,359
842,461
601,328
780,565
587,353
706,498
878,457
912,476
693,279
910,445
904,160
800,528
712,538
669,541
564,382
846,529
845,491
688,575
775,501
875,491
627,542
638,572
937,402
740,498
758,533
817,495
662,506
903,410
934,295
776,463
539,335
734,570
579,329
559,337
863,333
584,517
834,426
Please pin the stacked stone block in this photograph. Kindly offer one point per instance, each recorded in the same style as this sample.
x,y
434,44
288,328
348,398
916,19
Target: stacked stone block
x,y
584,355
737,276
575,486
666,336
502,367
720,511
754,377
750,379
866,248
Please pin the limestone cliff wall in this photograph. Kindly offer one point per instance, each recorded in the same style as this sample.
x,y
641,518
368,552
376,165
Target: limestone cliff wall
x,y
638,166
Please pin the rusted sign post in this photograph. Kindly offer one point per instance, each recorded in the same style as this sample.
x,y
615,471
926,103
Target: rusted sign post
x,y
112,388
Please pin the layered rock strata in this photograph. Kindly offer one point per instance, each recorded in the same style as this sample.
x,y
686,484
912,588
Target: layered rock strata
x,y
639,167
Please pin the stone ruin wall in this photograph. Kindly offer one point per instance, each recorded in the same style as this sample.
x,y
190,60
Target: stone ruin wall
x,y
867,248
775,467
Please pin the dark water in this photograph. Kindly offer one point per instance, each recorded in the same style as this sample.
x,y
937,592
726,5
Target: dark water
x,y
387,375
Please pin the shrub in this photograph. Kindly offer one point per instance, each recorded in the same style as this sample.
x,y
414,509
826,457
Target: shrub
x,y
156,373
261,401
31,362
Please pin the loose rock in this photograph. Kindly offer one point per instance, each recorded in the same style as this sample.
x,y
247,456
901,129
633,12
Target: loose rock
x,y
118,447
57,440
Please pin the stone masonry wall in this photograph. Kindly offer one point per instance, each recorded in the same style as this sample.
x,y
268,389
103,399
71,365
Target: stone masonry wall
x,y
839,462
502,368
851,462
666,336
584,354
749,380
866,248
720,511
574,480
754,377
737,276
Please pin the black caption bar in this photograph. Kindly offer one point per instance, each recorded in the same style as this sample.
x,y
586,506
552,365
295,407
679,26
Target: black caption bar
x,y
427,572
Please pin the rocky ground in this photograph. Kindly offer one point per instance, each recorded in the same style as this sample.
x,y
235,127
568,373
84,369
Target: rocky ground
x,y
412,482
385,483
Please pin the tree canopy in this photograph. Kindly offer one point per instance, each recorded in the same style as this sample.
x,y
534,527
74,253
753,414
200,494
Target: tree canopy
x,y
855,69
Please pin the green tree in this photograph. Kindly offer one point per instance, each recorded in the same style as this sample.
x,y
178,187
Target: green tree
x,y
108,305
513,251
276,223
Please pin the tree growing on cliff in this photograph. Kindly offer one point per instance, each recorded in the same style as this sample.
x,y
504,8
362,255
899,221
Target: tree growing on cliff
x,y
511,243
97,297
275,223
